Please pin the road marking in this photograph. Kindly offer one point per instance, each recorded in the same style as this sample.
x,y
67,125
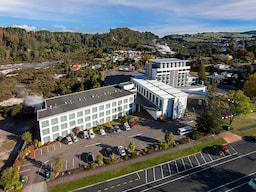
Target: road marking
x,y
26,164
93,145
197,160
237,187
118,185
177,167
158,138
162,171
46,161
130,181
24,170
99,191
232,182
141,144
112,187
233,149
169,168
146,177
191,121
183,164
105,189
209,155
190,162
154,177
136,179
135,135
138,175
184,176
203,158
124,183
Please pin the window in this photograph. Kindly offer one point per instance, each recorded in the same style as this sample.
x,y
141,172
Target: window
x,y
156,100
81,127
80,121
102,120
87,111
114,110
54,121
94,123
131,99
101,114
88,118
107,106
72,116
63,118
113,116
46,131
147,94
64,126
88,125
120,102
55,136
80,113
119,108
95,116
72,123
45,123
153,98
64,133
126,106
113,104
130,105
125,100
94,109
101,107
150,96
107,119
119,115
161,104
107,112
46,139
55,128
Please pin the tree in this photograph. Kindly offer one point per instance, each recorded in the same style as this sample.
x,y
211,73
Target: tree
x,y
58,164
9,177
77,130
249,86
27,136
169,138
131,146
99,159
201,72
16,110
237,103
129,118
36,142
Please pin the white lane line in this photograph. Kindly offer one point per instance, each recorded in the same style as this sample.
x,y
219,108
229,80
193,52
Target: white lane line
x,y
190,162
177,167
203,157
154,177
161,167
26,164
237,187
169,168
231,182
184,176
209,155
146,179
197,160
46,161
24,170
135,135
92,145
183,164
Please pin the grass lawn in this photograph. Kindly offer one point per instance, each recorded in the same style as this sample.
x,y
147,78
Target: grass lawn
x,y
134,167
248,132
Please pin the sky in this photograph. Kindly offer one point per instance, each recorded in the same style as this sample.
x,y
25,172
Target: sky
x,y
161,17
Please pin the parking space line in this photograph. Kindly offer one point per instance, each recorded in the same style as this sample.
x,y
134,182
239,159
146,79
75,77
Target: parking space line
x,y
203,157
146,176
135,135
190,162
118,185
209,155
161,167
24,170
197,160
138,175
124,183
169,168
154,177
177,167
54,147
141,144
233,149
237,187
93,145
112,187
183,164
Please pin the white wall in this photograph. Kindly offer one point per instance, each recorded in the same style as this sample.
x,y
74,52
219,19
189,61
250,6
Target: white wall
x,y
154,114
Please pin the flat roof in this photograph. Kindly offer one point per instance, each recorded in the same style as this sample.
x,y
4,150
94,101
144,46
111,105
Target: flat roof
x,y
161,89
69,102
167,60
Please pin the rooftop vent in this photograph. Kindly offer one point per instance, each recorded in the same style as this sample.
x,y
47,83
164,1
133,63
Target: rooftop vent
x,y
50,106
66,102
79,99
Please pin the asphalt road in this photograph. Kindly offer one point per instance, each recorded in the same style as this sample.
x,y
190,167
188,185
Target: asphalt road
x,y
203,171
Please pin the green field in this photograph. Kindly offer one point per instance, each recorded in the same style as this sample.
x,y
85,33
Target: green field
x,y
248,132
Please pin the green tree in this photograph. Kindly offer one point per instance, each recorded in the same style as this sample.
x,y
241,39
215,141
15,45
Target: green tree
x,y
249,86
201,72
27,136
16,110
129,118
137,66
131,146
237,103
58,164
9,177
99,158
169,138
36,142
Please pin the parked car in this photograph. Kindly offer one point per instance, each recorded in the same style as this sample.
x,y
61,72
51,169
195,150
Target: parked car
x,y
74,138
121,151
223,148
224,114
91,133
69,141
126,126
252,183
90,157
253,138
85,135
102,132
113,129
132,125
217,150
117,129
109,152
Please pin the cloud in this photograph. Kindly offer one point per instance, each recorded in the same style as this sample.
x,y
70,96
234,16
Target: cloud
x,y
26,27
61,28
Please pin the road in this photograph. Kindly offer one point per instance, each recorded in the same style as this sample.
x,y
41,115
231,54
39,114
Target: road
x,y
203,171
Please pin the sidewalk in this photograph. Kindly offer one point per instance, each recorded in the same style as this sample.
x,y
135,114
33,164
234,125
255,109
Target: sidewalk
x,y
83,174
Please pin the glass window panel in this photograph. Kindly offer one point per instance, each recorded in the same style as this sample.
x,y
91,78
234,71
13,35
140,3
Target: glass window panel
x,y
63,118
72,116
54,121
46,131
45,123
55,128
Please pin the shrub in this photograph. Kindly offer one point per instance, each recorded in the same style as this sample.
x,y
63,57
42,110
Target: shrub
x,y
108,161
126,157
52,175
164,146
196,137
100,162
146,150
19,186
86,166
184,140
157,147
134,155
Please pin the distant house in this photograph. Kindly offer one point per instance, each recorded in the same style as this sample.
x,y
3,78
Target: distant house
x,y
74,67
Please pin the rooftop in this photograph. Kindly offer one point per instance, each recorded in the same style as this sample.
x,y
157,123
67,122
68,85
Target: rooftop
x,y
167,60
69,102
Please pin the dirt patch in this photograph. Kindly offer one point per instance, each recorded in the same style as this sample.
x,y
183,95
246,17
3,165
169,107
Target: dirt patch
x,y
230,137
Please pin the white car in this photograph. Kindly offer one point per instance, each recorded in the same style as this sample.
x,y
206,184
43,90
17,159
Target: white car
x,y
126,126
102,132
86,136
121,151
252,183
74,138
69,141
91,134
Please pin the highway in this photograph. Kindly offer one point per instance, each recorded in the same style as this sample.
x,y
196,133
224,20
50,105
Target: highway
x,y
203,171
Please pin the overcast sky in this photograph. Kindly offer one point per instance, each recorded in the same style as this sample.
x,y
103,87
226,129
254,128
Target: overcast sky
x,y
161,17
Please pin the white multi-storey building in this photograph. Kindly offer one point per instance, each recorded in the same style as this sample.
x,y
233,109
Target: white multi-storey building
x,y
163,99
170,71
85,110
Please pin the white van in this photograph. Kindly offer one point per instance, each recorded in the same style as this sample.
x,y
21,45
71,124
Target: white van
x,y
185,130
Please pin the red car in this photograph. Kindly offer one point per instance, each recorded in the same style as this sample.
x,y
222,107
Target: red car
x,y
132,125
223,148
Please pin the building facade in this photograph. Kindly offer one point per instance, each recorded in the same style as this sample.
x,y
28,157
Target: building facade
x,y
85,110
165,100
171,71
